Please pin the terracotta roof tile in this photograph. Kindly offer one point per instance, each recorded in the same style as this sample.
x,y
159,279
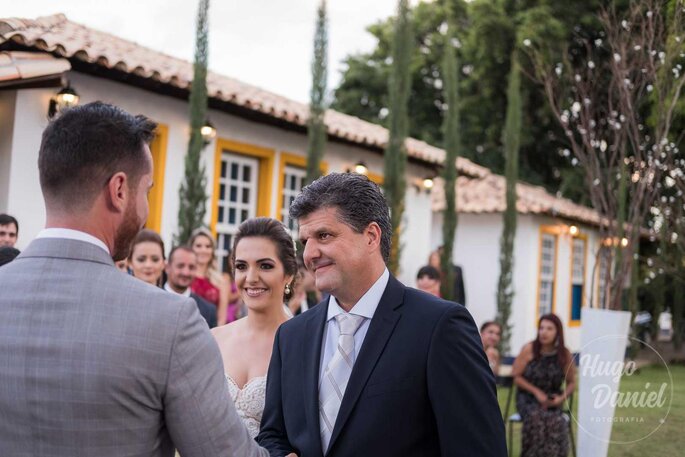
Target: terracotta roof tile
x,y
488,195
478,189
56,34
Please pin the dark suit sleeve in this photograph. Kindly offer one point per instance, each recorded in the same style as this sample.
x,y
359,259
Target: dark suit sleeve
x,y
462,391
272,434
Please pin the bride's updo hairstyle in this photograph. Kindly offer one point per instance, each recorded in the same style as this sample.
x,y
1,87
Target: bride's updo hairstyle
x,y
266,227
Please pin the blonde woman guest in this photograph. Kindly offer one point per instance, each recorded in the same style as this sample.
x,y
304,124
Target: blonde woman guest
x,y
264,266
146,258
209,283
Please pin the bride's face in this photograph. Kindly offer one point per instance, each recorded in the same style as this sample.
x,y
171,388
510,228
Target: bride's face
x,y
259,273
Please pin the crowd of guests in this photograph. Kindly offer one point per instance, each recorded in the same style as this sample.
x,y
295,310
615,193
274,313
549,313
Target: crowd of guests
x,y
264,282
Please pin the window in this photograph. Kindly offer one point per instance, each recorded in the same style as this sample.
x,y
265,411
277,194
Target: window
x,y
242,189
577,278
238,186
292,175
293,182
548,253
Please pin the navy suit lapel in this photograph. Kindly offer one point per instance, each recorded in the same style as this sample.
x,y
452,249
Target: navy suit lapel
x,y
382,325
311,350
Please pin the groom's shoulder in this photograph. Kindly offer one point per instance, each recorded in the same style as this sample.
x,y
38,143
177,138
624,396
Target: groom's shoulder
x,y
144,300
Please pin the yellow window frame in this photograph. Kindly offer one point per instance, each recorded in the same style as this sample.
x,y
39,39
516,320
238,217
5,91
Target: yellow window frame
x,y
576,322
158,149
294,160
551,230
266,158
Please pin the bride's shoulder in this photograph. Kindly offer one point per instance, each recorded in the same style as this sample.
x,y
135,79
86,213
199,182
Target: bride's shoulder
x,y
228,331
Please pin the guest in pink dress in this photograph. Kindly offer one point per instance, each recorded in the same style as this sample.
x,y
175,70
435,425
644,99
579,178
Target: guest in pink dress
x,y
209,283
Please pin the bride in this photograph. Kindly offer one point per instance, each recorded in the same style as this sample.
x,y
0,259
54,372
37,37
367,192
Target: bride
x,y
264,266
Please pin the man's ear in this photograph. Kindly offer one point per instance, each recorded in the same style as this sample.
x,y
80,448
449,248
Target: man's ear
x,y
373,235
117,192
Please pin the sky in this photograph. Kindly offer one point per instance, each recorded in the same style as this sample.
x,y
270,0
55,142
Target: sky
x,y
266,43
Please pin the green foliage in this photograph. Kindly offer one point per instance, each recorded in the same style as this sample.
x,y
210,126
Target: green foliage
x,y
488,34
452,133
192,195
316,127
510,139
395,157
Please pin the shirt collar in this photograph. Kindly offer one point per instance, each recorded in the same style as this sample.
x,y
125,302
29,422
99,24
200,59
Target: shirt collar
x,y
185,293
366,306
71,234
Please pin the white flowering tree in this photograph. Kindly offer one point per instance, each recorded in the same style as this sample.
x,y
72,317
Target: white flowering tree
x,y
616,100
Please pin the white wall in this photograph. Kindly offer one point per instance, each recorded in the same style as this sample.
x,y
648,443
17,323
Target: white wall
x,y
7,106
25,200
415,237
477,252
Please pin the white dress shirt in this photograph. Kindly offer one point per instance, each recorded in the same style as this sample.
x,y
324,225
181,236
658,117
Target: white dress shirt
x,y
185,293
365,307
71,234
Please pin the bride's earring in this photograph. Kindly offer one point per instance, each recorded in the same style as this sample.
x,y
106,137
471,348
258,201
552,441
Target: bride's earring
x,y
287,289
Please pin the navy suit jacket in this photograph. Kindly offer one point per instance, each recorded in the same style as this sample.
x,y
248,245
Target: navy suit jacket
x,y
207,310
420,386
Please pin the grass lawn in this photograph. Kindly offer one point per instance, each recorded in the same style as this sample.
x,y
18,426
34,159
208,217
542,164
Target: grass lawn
x,y
667,441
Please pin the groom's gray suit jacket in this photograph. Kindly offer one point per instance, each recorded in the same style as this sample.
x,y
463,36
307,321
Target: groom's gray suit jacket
x,y
94,362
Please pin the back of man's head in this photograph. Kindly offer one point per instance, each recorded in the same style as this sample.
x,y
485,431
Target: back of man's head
x,y
359,202
84,147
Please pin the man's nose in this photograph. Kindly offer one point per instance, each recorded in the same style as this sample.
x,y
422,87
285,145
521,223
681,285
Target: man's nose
x,y
311,252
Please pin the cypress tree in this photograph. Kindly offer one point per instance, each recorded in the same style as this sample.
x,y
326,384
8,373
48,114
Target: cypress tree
x,y
395,157
510,140
452,134
316,128
192,195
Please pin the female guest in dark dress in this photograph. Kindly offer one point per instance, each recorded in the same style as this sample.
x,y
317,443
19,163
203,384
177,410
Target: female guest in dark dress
x,y
539,372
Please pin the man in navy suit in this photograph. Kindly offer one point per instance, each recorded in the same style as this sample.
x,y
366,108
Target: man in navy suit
x,y
180,270
378,369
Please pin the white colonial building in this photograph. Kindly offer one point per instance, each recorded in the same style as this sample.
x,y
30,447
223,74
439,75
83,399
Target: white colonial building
x,y
256,164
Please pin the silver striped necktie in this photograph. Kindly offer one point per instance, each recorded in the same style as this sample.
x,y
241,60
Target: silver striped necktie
x,y
336,375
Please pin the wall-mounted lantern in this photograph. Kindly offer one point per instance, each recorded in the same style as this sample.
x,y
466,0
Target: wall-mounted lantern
x,y
65,98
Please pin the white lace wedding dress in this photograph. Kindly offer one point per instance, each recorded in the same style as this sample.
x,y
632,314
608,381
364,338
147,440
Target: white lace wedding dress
x,y
249,401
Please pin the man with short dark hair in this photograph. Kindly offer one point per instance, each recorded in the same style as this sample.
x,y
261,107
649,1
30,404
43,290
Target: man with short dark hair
x,y
9,230
180,270
378,369
428,280
94,362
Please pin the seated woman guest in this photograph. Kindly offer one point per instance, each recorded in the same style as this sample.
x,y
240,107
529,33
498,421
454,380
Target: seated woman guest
x,y
209,283
146,258
539,372
490,335
264,268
